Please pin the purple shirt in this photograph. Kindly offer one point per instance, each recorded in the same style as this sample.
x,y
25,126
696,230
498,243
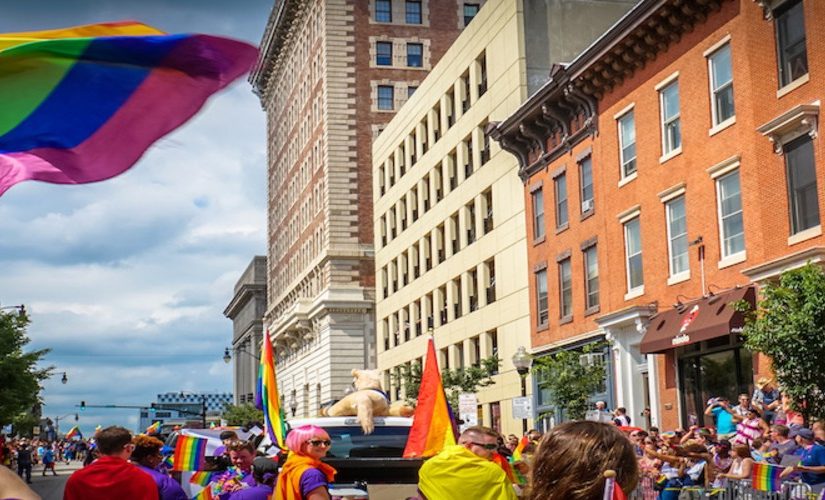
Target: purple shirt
x,y
168,488
311,479
260,492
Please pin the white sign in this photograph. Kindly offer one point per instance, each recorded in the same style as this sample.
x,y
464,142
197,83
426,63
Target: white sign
x,y
522,407
467,410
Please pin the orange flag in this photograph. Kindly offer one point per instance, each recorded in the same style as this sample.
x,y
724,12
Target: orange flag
x,y
433,427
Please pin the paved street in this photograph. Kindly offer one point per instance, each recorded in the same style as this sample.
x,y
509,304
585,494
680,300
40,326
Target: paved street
x,y
51,487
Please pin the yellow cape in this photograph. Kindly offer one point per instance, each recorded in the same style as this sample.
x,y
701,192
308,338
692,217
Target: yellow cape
x,y
458,473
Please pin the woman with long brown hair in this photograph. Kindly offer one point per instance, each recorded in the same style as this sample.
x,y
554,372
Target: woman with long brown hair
x,y
571,459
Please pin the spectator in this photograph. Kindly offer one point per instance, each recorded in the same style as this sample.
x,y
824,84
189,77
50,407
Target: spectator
x,y
744,405
12,486
466,470
812,461
749,427
304,475
48,460
620,417
819,431
265,472
722,460
760,447
781,444
111,475
571,457
24,461
766,398
146,456
722,414
742,463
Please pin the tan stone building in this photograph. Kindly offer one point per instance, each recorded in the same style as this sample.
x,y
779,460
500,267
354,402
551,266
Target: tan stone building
x,y
330,74
449,210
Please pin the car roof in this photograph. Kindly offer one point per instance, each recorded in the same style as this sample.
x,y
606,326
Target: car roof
x,y
349,422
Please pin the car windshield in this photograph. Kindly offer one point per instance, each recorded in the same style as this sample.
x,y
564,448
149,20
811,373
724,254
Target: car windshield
x,y
384,442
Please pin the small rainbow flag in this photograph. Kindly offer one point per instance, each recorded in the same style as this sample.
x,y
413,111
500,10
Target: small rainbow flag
x,y
522,444
74,431
153,429
201,477
766,477
433,427
190,453
204,494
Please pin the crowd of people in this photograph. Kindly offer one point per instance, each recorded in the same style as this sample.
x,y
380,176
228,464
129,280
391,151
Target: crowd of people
x,y
28,456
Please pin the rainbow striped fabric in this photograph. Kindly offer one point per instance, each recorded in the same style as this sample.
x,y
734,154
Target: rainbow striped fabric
x,y
83,104
765,476
204,494
153,429
266,396
190,453
201,477
522,444
74,431
433,427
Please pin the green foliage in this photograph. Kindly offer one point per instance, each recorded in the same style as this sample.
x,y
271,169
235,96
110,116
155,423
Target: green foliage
x,y
468,379
569,381
789,327
24,423
242,414
19,377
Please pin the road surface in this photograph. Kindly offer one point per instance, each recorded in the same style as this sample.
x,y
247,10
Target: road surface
x,y
51,487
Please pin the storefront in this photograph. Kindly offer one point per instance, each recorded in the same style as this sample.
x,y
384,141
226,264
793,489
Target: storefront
x,y
705,338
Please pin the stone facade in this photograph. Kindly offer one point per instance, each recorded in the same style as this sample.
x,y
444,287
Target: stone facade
x,y
316,80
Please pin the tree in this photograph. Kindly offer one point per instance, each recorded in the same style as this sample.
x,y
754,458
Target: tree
x,y
19,376
242,414
570,381
788,326
468,379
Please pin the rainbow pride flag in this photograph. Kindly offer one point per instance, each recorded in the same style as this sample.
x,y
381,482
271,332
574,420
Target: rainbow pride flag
x,y
201,477
522,444
190,453
153,429
433,427
204,494
765,476
74,431
266,395
83,104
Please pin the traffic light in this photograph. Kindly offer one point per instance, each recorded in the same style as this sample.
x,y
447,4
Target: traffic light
x,y
76,417
152,408
82,406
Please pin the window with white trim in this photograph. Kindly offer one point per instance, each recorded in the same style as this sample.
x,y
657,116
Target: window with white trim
x,y
565,289
633,254
383,53
538,213
731,224
721,85
386,96
627,144
803,201
677,239
591,277
383,11
542,312
792,54
586,184
560,186
415,55
671,123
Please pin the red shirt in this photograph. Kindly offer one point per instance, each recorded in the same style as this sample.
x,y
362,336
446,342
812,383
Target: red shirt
x,y
110,477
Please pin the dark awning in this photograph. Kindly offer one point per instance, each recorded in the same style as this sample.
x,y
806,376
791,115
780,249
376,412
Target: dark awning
x,y
695,321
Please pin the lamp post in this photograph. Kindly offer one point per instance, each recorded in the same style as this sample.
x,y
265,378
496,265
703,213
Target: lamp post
x,y
293,403
227,354
57,422
523,361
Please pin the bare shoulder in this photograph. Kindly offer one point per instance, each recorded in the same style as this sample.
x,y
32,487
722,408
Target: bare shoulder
x,y
11,486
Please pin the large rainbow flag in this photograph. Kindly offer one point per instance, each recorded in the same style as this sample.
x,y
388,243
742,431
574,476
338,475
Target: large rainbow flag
x,y
266,395
83,104
433,427
765,476
153,429
190,453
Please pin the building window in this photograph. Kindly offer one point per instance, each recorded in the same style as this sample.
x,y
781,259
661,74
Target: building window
x,y
470,11
560,183
413,11
731,225
721,85
538,214
565,289
591,277
383,53
415,52
802,193
677,244
586,180
383,11
541,297
790,41
386,96
411,90
633,254
627,144
671,129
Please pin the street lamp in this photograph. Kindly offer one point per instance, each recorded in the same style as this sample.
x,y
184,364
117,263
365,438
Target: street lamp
x,y
64,379
293,403
21,309
227,355
523,361
57,422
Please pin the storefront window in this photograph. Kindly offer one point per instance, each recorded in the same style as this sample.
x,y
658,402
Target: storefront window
x,y
710,369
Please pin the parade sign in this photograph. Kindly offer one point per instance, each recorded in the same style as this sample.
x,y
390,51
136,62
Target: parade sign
x,y
522,407
467,410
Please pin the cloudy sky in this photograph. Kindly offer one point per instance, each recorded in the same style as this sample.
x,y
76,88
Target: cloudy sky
x,y
126,280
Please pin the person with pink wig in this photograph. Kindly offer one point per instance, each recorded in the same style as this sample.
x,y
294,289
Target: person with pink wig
x,y
304,476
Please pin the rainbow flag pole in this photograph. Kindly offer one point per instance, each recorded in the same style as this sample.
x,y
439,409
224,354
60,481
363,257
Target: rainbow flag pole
x,y
433,427
266,396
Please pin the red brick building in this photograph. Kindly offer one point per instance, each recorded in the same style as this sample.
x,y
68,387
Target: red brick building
x,y
671,162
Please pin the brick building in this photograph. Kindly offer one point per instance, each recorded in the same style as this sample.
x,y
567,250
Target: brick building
x,y
668,170
330,74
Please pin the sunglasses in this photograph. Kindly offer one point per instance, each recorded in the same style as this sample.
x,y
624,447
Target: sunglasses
x,y
486,446
320,442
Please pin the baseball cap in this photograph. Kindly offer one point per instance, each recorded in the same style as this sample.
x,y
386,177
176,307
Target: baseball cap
x,y
804,433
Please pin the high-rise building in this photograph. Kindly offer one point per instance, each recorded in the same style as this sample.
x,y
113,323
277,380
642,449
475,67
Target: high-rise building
x,y
449,209
331,73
